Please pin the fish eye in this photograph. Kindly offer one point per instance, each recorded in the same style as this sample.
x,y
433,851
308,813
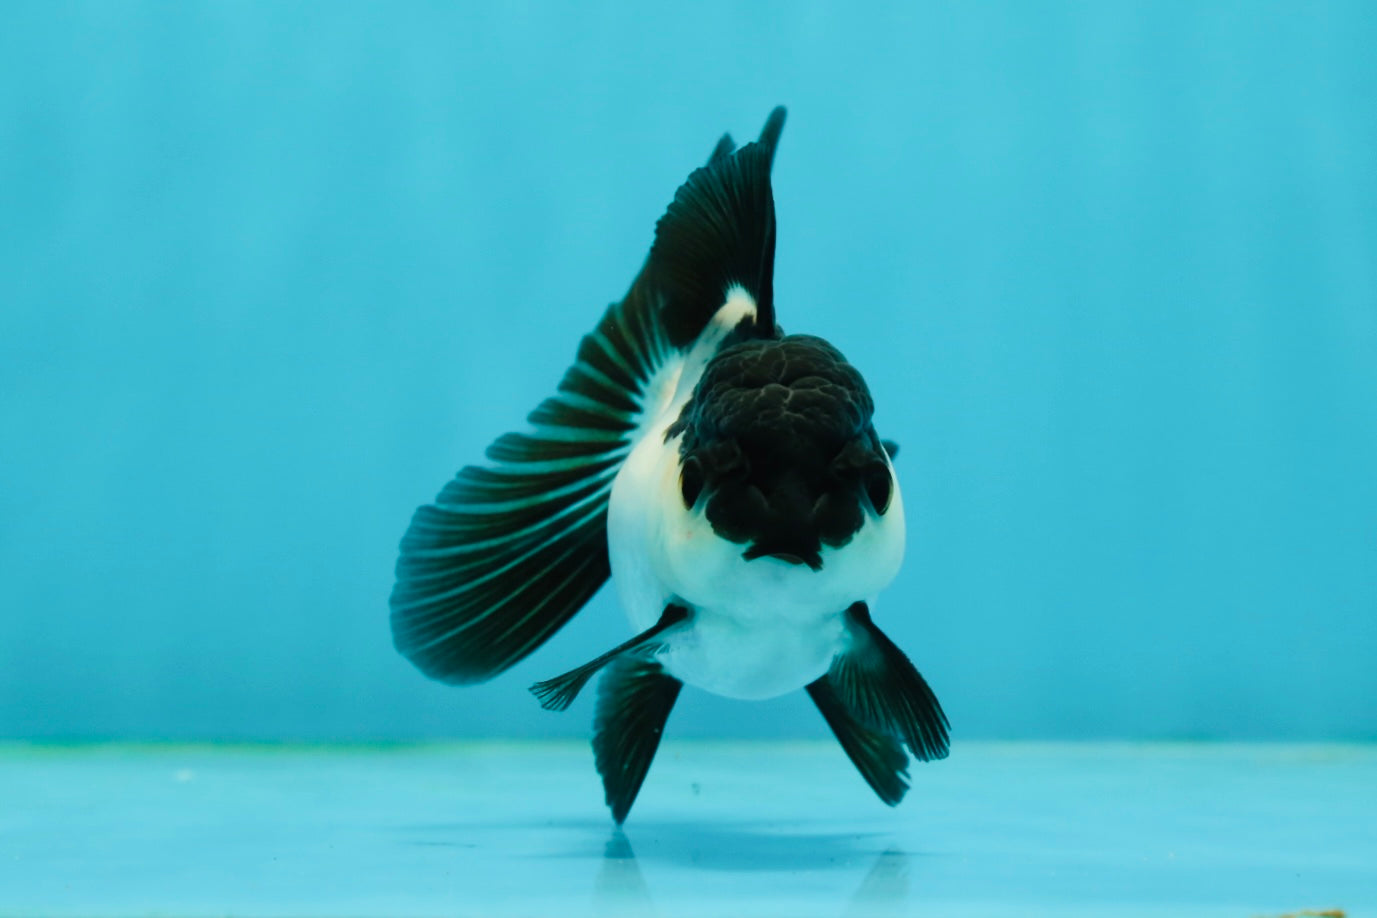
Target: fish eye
x,y
878,488
691,483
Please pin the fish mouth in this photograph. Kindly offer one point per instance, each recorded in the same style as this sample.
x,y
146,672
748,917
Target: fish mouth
x,y
810,559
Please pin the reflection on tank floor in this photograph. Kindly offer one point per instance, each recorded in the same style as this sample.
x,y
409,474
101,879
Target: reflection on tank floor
x,y
499,829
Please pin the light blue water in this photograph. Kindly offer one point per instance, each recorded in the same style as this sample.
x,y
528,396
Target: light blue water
x,y
269,273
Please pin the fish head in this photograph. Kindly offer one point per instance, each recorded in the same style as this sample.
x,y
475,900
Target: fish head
x,y
778,451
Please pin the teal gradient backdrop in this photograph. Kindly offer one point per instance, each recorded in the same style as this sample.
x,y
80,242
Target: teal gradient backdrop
x,y
270,273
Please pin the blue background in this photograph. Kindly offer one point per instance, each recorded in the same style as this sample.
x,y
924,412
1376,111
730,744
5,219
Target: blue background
x,y
269,273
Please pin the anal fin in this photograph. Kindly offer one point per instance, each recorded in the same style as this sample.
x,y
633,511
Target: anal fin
x,y
880,687
558,693
879,757
634,701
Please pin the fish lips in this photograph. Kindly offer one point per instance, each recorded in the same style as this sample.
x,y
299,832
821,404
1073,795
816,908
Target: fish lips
x,y
793,554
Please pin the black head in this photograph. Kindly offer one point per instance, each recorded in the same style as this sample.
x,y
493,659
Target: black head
x,y
779,450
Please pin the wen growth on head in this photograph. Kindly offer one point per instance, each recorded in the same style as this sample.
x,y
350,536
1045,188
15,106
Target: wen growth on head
x,y
728,478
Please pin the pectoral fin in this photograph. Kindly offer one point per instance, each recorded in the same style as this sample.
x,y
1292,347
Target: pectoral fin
x,y
879,757
880,688
634,701
558,693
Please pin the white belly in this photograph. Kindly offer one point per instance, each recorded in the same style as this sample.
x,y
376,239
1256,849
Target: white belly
x,y
730,650
758,628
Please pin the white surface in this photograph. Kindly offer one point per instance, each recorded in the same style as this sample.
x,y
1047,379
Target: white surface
x,y
720,829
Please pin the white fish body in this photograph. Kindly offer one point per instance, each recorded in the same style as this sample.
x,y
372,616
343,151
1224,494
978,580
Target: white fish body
x,y
759,628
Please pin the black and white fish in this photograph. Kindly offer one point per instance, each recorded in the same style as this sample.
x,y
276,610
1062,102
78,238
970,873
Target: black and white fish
x,y
728,477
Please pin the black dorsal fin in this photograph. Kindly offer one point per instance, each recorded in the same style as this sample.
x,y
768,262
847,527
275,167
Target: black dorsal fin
x,y
718,233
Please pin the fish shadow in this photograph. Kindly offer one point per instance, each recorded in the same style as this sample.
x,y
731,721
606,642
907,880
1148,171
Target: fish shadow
x,y
740,847
620,888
